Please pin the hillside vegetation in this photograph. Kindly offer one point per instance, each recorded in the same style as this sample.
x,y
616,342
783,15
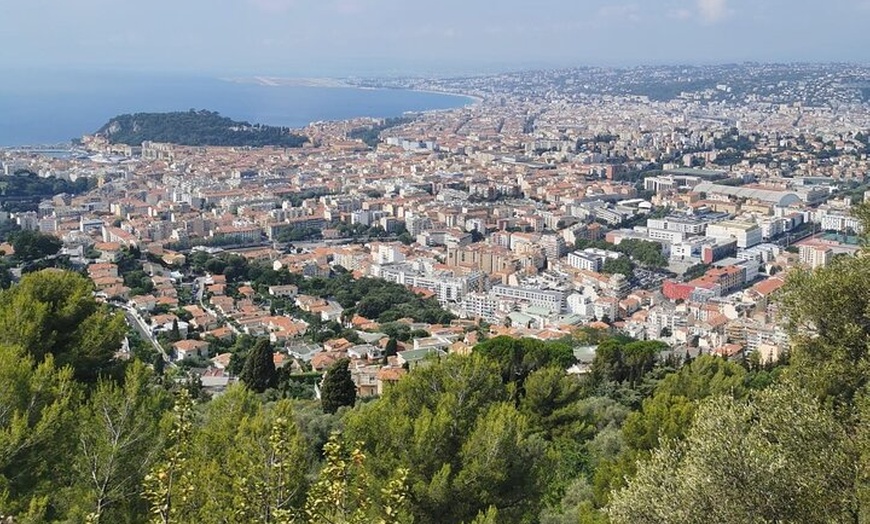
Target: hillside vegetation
x,y
195,128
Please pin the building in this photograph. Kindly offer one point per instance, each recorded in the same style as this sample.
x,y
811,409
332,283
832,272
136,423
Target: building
x,y
815,256
686,225
548,299
190,349
746,234
480,305
591,259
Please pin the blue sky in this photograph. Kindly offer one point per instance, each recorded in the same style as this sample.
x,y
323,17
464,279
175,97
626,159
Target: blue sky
x,y
347,37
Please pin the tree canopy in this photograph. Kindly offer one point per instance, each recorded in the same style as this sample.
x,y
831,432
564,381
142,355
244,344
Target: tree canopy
x,y
53,312
195,128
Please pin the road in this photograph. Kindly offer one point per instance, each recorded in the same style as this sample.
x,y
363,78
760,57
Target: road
x,y
199,286
137,322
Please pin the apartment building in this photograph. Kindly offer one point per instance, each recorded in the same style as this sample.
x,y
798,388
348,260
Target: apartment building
x,y
745,233
548,299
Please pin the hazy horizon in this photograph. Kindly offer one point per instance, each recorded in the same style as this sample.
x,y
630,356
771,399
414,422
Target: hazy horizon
x,y
386,37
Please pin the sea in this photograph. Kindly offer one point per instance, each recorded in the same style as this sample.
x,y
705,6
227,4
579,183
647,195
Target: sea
x,y
54,108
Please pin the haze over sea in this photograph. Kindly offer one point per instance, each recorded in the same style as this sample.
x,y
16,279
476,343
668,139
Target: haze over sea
x,y
54,108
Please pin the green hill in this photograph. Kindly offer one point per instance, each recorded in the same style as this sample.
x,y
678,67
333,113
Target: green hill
x,y
195,128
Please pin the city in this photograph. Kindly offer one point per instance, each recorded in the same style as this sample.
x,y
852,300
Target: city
x,y
513,213
656,210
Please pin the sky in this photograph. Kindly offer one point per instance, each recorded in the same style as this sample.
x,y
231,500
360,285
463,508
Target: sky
x,y
440,37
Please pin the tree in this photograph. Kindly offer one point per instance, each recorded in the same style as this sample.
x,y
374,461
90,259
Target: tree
x,y
37,413
392,347
618,265
118,442
338,388
169,484
487,452
251,460
54,312
342,493
785,450
174,333
827,313
259,371
668,413
518,357
33,245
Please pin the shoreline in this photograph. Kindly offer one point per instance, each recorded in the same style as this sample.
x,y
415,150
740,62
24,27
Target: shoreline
x,y
454,101
339,83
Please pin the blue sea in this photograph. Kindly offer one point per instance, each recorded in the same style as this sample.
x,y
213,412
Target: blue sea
x,y
54,108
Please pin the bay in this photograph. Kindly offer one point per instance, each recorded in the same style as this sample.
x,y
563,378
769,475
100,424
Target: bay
x,y
52,108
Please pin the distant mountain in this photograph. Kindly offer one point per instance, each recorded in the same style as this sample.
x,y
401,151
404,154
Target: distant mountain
x,y
195,128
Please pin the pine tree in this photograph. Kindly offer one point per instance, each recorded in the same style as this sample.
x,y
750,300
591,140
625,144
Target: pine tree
x,y
338,387
259,372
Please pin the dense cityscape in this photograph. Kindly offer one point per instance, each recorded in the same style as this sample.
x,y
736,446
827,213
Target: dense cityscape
x,y
662,206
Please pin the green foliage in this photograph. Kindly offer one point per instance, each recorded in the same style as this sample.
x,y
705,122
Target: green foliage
x,y
520,357
787,454
340,495
695,271
170,483
338,388
33,245
371,134
36,400
644,252
391,348
373,298
552,404
618,360
298,234
828,313
118,439
259,373
464,446
253,460
621,265
195,128
24,190
668,413
53,312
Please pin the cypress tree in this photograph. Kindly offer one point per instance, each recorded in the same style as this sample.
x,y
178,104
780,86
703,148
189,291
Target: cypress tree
x,y
259,372
175,333
391,347
338,387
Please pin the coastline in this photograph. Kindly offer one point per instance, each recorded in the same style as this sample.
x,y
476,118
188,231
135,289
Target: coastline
x,y
55,118
475,99
338,83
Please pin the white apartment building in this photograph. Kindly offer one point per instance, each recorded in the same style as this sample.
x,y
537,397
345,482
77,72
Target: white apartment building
x,y
664,235
446,286
581,260
761,253
814,256
746,234
580,304
480,305
685,225
840,222
387,254
548,299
